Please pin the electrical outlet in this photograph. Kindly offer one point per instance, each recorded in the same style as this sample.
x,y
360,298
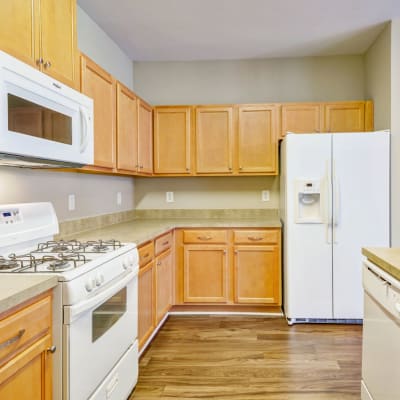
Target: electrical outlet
x,y
71,202
264,195
169,197
119,198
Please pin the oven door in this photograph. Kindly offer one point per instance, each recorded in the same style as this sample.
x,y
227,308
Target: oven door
x,y
97,333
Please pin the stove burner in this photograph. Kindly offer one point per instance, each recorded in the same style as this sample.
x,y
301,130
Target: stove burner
x,y
57,265
60,247
100,247
8,264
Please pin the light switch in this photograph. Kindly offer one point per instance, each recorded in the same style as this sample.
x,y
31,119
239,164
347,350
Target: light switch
x,y
265,195
71,202
119,198
169,197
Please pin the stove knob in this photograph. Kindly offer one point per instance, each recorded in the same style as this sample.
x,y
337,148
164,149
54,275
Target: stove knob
x,y
89,285
125,263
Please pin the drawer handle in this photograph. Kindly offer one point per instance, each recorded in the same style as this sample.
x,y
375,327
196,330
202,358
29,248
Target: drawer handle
x,y
12,340
146,255
255,238
52,349
204,237
159,263
165,243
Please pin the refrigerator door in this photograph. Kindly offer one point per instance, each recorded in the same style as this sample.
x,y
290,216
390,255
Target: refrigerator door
x,y
307,245
360,176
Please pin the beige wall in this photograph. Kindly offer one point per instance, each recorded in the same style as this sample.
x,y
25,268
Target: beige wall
x,y
206,192
395,128
377,78
291,79
94,42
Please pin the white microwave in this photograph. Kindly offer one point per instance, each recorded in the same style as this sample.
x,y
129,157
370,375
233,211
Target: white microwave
x,y
43,123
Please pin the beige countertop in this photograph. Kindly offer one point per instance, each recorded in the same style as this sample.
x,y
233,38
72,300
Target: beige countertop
x,y
17,288
386,258
141,230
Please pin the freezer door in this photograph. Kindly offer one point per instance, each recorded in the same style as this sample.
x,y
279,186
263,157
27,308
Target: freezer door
x,y
360,176
307,246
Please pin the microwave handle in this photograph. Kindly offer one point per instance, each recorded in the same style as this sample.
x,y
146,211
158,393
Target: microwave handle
x,y
84,131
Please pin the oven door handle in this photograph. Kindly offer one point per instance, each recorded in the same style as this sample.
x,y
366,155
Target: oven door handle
x,y
72,313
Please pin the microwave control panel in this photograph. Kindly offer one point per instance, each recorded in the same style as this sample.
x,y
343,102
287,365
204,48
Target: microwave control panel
x,y
10,216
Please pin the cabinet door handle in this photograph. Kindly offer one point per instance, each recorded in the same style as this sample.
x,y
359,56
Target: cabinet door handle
x,y
39,61
13,339
165,243
255,238
47,64
159,263
52,349
204,237
146,255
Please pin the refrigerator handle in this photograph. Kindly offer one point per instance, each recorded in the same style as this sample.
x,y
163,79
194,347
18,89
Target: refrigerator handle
x,y
328,203
336,203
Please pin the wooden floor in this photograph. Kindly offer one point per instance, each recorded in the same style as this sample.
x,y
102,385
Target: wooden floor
x,y
236,357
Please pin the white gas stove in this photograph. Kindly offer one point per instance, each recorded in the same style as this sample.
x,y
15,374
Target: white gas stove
x,y
94,306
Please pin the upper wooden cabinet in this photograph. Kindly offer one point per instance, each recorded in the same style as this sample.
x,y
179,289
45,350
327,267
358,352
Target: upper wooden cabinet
x,y
172,140
257,148
214,139
345,116
100,86
43,34
145,137
127,129
302,118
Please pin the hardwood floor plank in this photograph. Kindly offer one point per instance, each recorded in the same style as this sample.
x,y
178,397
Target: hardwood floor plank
x,y
246,358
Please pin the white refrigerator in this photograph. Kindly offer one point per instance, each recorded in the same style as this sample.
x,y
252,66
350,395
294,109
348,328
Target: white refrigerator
x,y
335,191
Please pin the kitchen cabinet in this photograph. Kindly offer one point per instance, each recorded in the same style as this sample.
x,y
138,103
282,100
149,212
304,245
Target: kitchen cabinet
x,y
257,270
164,284
229,266
145,137
345,117
257,141
173,140
302,118
127,129
101,87
26,353
42,34
214,139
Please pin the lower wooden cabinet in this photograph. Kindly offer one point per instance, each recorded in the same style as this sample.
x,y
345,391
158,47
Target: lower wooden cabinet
x,y
25,362
146,293
205,274
164,284
257,275
236,266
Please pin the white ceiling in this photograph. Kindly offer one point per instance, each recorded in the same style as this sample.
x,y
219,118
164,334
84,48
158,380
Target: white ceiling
x,y
173,30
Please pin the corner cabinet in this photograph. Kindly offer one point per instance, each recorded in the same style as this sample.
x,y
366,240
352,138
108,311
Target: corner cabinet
x,y
42,34
25,351
145,137
173,140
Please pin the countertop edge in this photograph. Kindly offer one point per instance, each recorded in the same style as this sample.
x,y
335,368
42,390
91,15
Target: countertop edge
x,y
381,260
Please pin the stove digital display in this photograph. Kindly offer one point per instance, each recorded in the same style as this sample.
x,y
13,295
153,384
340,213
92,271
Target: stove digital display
x,y
7,214
12,216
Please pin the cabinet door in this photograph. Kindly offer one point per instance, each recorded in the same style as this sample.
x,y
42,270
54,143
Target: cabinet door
x,y
214,140
257,139
302,118
205,274
164,279
100,86
19,29
29,374
126,129
172,140
145,137
257,275
345,117
146,318
58,39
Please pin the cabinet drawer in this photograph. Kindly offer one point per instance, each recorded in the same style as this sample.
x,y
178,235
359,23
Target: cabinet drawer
x,y
256,236
146,253
205,236
163,243
22,328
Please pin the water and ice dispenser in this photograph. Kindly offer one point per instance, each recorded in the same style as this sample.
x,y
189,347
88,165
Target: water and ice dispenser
x,y
309,202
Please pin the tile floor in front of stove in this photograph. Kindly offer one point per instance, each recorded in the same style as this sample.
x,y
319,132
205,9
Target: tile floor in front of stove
x,y
246,358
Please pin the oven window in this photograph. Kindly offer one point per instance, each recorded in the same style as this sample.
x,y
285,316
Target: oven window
x,y
106,315
35,120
